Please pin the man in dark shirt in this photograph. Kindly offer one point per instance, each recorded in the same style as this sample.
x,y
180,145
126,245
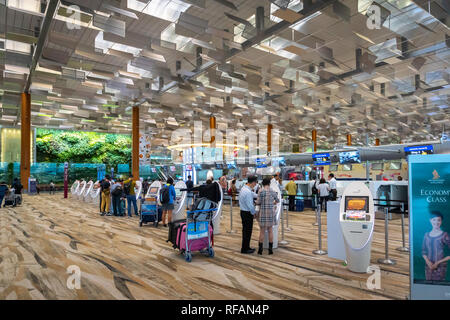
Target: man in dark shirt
x,y
189,186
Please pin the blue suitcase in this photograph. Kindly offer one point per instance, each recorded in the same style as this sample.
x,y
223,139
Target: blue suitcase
x,y
299,205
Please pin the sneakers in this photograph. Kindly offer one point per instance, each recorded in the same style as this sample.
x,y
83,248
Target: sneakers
x,y
102,213
109,214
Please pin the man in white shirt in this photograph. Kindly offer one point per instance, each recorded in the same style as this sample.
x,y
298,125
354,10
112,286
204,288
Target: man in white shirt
x,y
333,187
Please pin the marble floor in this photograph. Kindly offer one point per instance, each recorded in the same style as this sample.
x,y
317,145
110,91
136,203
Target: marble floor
x,y
117,259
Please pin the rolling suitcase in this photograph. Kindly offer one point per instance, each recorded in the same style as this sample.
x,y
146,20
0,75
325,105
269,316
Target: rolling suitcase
x,y
194,244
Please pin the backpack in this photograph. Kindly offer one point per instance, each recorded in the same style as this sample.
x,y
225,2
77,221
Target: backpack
x,y
117,191
165,195
127,188
105,185
314,189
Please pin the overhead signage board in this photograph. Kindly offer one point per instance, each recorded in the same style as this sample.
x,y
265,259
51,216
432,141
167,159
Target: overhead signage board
x,y
321,159
419,150
429,215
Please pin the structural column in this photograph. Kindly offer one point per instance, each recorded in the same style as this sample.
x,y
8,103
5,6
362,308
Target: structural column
x,y
269,138
314,139
349,139
377,142
212,130
25,145
135,143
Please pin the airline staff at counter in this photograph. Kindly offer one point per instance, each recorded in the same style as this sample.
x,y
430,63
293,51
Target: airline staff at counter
x,y
333,187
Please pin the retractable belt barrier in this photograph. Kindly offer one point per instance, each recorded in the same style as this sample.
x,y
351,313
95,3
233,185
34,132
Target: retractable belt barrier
x,y
318,214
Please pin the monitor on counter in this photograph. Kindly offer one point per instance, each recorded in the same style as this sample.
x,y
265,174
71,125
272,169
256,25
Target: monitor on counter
x,y
419,150
321,159
349,157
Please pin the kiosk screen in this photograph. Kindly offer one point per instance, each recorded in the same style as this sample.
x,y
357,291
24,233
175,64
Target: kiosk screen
x,y
356,207
153,190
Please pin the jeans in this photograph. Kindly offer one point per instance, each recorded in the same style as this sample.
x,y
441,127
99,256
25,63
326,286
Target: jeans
x,y
116,205
323,204
247,228
292,203
333,195
132,199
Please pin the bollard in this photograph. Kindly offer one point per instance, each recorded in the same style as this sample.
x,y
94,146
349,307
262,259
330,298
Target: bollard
x,y
287,220
231,216
283,242
319,251
403,248
315,224
386,259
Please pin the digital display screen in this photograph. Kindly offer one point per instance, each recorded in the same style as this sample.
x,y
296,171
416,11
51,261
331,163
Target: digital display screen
x,y
357,204
172,168
419,150
231,165
261,163
395,166
321,159
188,167
333,167
347,167
349,157
377,166
198,166
278,162
153,190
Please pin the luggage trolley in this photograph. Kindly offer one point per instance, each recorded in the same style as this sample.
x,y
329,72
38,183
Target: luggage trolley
x,y
149,208
198,230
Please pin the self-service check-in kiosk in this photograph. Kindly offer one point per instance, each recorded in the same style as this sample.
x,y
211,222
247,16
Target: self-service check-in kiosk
x,y
179,211
278,207
154,190
357,221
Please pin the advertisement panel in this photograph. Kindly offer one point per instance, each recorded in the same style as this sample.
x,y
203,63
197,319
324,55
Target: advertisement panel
x,y
429,209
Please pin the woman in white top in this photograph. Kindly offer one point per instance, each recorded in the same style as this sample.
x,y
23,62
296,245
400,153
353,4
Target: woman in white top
x,y
324,191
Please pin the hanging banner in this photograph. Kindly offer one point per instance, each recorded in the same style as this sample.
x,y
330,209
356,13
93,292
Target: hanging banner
x,y
429,210
66,179
144,149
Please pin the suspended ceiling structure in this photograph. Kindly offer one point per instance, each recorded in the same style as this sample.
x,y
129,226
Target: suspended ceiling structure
x,y
299,65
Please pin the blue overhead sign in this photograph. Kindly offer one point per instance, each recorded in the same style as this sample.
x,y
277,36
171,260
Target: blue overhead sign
x,y
419,150
321,159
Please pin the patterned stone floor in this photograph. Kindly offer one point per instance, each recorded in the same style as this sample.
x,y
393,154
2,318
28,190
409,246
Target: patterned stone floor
x,y
118,260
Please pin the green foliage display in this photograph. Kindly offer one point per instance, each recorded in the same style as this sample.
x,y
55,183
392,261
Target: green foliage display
x,y
82,147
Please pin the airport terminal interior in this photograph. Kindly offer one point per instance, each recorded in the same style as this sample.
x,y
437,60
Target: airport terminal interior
x,y
224,149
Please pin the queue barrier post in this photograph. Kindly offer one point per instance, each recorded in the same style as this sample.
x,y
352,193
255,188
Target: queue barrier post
x,y
287,220
386,259
316,200
231,216
403,248
319,251
283,242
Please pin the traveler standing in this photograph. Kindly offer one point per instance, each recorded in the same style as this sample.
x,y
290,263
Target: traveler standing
x,y
246,203
291,189
223,183
323,190
189,186
105,186
333,187
234,190
3,189
145,186
52,187
167,196
18,191
128,188
116,192
266,215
